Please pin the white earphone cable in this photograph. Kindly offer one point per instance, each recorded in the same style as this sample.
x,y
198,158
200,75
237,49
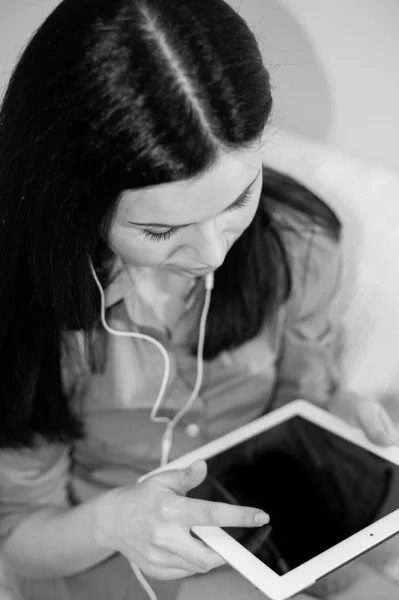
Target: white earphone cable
x,y
167,438
143,582
142,336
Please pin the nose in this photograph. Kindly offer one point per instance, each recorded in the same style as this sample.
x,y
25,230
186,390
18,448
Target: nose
x,y
210,244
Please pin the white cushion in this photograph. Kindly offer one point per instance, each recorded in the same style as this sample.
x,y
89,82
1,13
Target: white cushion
x,y
366,198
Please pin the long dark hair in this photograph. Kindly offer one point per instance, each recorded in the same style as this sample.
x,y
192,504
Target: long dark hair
x,y
110,96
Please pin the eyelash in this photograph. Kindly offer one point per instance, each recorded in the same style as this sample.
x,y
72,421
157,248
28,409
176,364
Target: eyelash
x,y
159,237
166,235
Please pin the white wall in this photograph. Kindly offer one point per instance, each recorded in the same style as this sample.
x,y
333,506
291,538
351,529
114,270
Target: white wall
x,y
334,63
18,19
336,70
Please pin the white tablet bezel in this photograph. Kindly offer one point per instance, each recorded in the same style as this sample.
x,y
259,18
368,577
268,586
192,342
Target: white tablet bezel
x,y
267,581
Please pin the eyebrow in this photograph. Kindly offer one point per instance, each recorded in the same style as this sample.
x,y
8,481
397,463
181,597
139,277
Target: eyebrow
x,y
169,226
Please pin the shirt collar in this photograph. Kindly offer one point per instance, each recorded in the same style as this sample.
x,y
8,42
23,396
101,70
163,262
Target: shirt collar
x,y
120,284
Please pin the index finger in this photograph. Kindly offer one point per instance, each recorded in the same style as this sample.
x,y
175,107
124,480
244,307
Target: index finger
x,y
203,512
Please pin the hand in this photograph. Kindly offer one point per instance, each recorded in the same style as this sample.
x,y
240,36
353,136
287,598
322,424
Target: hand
x,y
369,415
150,523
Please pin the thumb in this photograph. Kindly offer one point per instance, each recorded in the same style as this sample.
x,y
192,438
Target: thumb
x,y
183,480
369,415
378,425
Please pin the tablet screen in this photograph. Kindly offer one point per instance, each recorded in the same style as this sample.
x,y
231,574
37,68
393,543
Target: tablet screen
x,y
317,488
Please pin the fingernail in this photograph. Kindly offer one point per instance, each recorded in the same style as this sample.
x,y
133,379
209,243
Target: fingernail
x,y
389,428
198,463
261,518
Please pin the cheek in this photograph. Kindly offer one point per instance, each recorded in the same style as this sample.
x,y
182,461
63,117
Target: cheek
x,y
134,249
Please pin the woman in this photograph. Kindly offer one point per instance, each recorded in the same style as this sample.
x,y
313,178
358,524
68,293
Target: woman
x,y
130,160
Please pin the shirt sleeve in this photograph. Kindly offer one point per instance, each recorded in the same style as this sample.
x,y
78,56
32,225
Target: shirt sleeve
x,y
38,477
311,339
31,479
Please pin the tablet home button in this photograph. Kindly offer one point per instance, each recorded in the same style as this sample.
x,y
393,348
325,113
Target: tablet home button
x,y
193,430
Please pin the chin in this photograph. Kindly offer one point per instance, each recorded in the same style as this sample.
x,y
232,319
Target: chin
x,y
189,273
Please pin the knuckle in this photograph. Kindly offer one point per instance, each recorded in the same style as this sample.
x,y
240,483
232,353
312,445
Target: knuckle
x,y
211,513
157,537
154,572
205,565
152,529
185,477
163,511
152,557
166,510
210,561
161,538
246,517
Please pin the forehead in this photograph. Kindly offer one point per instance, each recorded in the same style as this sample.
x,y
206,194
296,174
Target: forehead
x,y
196,199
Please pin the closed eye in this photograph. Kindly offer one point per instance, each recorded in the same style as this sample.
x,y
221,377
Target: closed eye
x,y
159,237
166,235
240,203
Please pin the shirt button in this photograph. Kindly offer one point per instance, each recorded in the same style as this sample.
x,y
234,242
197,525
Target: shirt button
x,y
193,430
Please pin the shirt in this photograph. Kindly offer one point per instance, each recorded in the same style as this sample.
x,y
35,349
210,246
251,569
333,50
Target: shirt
x,y
294,355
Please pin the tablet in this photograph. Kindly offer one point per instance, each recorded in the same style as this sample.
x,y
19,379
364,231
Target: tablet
x,y
328,490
